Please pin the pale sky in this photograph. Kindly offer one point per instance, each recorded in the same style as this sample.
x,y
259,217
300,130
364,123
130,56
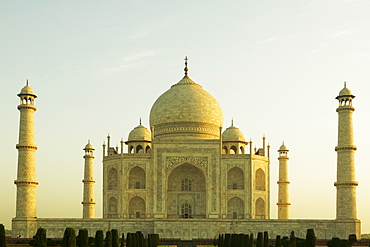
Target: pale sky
x,y
98,66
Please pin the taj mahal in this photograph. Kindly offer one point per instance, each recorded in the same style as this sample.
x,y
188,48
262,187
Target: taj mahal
x,y
186,176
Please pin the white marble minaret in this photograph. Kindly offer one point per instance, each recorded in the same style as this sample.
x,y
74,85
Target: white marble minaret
x,y
346,182
283,197
88,181
26,174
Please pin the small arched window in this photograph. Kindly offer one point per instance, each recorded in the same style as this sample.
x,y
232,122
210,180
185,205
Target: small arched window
x,y
186,185
112,179
260,180
112,205
139,149
186,211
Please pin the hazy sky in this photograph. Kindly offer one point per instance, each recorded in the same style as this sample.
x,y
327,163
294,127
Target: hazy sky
x,y
98,66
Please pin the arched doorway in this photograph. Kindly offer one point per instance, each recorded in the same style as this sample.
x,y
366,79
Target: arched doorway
x,y
235,208
186,191
260,209
137,208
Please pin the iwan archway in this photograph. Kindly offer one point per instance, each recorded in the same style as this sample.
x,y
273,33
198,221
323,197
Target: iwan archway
x,y
186,191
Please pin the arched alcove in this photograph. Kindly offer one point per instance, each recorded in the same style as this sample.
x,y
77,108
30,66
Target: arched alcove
x,y
233,150
137,208
260,209
235,179
260,180
112,206
235,208
112,179
137,178
139,149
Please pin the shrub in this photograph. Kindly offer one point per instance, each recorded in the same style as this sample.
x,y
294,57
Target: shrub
x,y
310,238
352,239
69,238
2,236
265,239
292,240
82,239
278,241
115,240
251,240
259,240
122,240
40,238
108,239
99,238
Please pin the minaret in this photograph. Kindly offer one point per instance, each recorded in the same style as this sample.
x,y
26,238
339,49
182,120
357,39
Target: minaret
x,y
88,181
26,175
346,184
283,199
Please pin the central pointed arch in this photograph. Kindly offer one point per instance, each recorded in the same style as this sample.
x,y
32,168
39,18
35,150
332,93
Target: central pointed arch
x,y
186,191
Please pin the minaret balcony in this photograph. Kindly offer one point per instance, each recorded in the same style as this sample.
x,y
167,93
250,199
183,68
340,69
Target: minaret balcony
x,y
346,183
26,107
347,147
19,182
88,181
19,146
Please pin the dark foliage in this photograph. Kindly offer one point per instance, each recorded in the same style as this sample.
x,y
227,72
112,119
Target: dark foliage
x,y
234,240
108,239
292,240
259,240
300,242
352,239
310,238
227,242
91,241
278,241
69,238
337,242
115,238
285,241
251,240
82,239
99,238
265,239
122,240
246,241
2,236
40,238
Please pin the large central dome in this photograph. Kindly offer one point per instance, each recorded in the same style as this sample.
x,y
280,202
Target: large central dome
x,y
186,110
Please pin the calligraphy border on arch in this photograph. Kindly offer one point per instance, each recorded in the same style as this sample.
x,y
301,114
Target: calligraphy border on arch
x,y
212,154
172,161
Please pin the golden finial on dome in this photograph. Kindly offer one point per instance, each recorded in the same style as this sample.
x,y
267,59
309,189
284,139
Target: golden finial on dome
x,y
186,65
140,121
27,83
345,84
